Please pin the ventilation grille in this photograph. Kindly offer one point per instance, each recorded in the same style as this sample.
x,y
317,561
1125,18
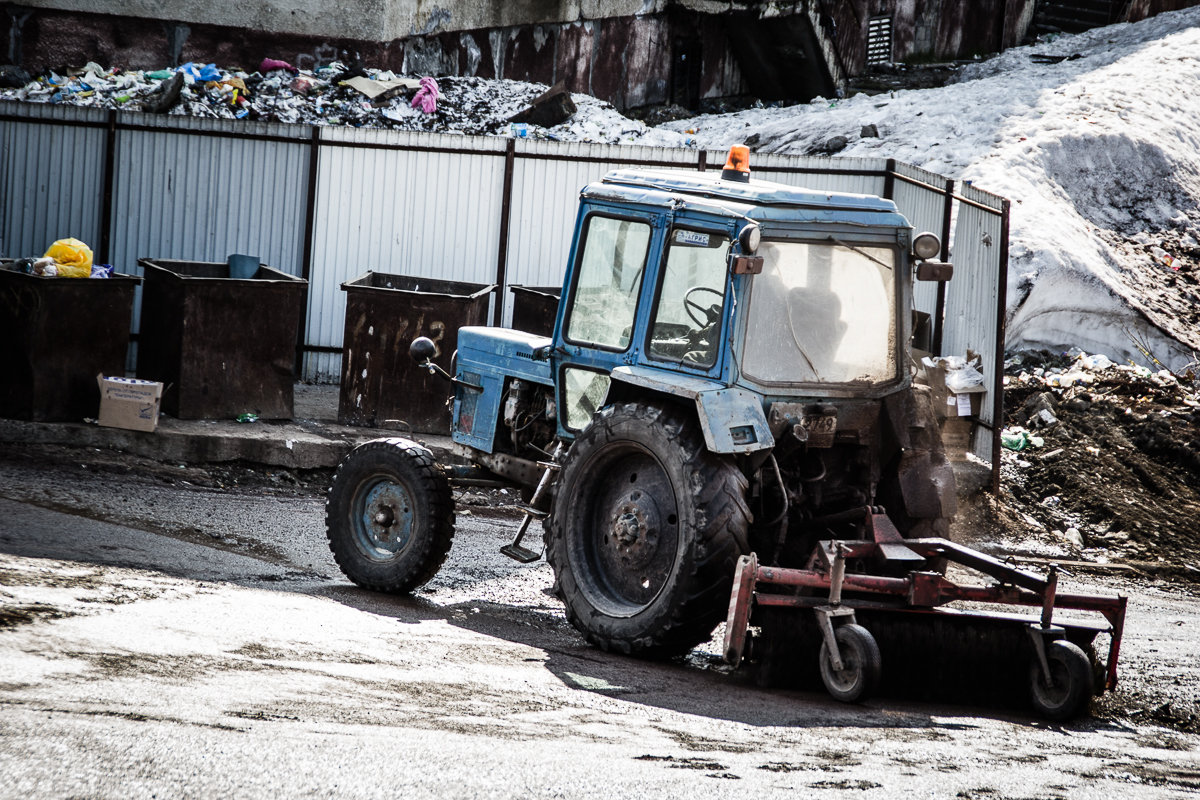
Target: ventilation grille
x,y
879,40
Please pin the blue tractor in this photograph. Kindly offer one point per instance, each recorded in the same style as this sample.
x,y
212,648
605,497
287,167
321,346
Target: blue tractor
x,y
730,373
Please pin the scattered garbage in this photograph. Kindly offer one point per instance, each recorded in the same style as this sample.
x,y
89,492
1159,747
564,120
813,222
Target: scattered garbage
x,y
426,97
341,94
549,108
271,64
962,374
66,258
1016,438
247,417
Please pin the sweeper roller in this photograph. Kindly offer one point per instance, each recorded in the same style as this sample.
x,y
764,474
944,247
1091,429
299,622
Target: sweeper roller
x,y
891,595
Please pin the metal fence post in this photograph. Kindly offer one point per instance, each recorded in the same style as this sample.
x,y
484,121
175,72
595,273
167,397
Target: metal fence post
x,y
310,218
108,181
939,311
510,153
1001,324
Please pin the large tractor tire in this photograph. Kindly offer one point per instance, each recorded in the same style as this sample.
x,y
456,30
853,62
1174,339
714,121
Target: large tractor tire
x,y
389,515
645,531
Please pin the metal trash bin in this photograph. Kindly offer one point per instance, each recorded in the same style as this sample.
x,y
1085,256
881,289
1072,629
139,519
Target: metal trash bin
x,y
535,308
222,346
384,313
57,335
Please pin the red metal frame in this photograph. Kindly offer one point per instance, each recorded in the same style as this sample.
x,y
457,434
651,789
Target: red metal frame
x,y
917,591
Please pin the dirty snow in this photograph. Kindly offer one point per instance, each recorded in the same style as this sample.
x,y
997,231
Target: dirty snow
x,y
1099,153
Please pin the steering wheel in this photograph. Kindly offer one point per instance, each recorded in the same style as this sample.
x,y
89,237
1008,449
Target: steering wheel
x,y
694,309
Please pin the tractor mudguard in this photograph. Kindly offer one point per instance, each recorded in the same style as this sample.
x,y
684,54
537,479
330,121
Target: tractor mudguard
x,y
732,420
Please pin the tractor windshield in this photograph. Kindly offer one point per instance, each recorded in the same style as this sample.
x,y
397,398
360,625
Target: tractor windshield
x,y
822,313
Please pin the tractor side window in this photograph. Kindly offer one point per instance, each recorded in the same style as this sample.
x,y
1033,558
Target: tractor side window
x,y
691,298
584,392
610,277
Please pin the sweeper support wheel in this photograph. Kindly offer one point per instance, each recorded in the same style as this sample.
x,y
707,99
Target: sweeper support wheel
x,y
860,669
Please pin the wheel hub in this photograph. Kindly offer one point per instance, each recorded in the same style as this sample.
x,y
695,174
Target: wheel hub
x,y
635,527
386,516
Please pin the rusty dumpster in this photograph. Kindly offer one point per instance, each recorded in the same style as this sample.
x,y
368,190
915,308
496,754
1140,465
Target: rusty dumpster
x,y
58,334
380,385
535,308
222,346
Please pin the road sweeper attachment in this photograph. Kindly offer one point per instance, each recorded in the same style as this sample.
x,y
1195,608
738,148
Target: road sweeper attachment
x,y
896,586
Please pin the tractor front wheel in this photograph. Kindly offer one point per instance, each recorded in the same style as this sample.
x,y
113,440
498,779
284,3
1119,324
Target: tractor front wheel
x,y
389,515
645,532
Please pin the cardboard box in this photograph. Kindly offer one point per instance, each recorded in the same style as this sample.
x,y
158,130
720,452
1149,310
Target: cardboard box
x,y
129,403
947,404
963,405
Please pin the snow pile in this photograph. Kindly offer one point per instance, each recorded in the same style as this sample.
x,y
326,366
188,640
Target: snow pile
x,y
1096,140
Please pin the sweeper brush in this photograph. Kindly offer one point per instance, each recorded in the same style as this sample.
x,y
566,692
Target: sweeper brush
x,y
879,617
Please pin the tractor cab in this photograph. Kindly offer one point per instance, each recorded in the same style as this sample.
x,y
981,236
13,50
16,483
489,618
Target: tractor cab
x,y
729,294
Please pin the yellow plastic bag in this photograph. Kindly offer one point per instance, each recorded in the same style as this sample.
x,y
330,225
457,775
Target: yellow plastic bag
x,y
74,258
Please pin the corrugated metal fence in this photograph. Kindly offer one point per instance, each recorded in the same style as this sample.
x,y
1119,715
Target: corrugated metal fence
x,y
328,204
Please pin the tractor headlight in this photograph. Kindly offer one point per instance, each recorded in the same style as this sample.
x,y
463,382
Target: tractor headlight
x,y
749,238
927,245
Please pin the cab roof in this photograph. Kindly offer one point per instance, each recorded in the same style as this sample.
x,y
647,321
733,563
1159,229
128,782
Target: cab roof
x,y
762,201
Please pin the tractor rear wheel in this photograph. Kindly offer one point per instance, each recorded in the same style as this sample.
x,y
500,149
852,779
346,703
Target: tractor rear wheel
x,y
645,532
389,515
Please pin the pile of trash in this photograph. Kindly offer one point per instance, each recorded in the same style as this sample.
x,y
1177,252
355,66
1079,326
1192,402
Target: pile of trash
x,y
341,94
1101,460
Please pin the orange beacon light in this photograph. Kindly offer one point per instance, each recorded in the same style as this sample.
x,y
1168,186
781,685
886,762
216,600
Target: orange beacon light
x,y
737,166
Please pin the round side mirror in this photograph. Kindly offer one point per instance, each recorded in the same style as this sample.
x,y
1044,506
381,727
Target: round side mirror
x,y
422,349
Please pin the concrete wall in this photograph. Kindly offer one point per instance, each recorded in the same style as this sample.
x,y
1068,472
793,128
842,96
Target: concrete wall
x,y
370,20
944,30
1140,9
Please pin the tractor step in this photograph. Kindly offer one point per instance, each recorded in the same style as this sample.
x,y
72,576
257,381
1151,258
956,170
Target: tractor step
x,y
518,553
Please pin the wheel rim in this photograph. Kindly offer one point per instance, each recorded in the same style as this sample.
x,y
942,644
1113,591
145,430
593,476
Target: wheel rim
x,y
1055,695
383,518
629,537
846,679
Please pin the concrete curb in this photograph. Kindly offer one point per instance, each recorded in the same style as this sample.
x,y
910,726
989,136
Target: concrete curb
x,y
293,445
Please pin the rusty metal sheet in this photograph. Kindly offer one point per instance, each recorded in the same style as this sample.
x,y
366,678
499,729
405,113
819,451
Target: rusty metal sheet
x,y
384,313
535,308
573,55
58,334
222,345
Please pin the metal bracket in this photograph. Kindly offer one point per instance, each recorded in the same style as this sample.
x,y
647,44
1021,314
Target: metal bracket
x,y
835,609
825,617
1040,635
513,549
